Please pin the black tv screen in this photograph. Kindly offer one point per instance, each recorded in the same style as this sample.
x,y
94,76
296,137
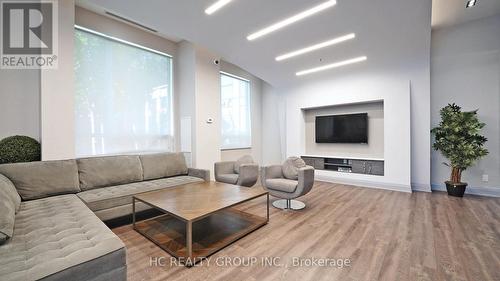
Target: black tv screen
x,y
347,128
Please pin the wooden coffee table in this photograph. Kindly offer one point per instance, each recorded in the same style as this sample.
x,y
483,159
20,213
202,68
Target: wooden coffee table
x,y
199,218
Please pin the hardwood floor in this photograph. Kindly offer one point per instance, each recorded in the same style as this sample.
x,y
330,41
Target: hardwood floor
x,y
386,235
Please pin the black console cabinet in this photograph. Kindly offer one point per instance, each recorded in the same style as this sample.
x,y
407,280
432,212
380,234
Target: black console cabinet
x,y
346,165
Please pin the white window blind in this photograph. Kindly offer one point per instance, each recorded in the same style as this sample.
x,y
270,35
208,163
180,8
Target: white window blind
x,y
235,111
123,101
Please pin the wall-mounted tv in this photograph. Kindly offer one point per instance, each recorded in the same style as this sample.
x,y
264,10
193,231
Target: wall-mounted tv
x,y
346,128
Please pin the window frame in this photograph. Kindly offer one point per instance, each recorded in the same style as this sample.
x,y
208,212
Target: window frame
x,y
173,127
249,108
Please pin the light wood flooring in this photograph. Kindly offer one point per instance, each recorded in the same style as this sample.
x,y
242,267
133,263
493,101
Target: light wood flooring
x,y
386,235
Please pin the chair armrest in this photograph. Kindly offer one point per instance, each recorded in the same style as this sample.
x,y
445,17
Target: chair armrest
x,y
306,180
221,168
199,173
270,172
249,174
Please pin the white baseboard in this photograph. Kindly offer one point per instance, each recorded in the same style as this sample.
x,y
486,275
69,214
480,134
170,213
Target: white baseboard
x,y
364,183
482,191
422,187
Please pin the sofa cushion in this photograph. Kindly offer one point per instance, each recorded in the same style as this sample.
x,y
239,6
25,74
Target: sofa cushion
x,y
284,185
9,205
228,178
35,180
246,159
9,190
163,165
113,196
52,235
98,172
291,167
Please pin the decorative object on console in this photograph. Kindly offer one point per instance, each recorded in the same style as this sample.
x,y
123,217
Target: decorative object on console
x,y
275,180
242,172
458,139
17,149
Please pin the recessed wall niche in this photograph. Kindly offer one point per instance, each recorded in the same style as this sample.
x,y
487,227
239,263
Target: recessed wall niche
x,y
374,149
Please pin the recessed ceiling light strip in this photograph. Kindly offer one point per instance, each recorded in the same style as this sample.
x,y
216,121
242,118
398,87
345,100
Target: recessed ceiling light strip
x,y
330,66
316,47
216,6
292,19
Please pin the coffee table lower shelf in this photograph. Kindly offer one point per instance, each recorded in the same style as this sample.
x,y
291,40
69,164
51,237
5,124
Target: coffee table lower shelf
x,y
208,235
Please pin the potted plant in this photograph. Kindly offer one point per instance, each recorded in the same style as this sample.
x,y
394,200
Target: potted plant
x,y
19,149
458,139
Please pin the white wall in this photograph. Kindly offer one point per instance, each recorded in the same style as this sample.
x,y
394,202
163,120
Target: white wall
x,y
20,103
373,149
466,71
255,112
198,91
207,94
57,93
273,126
184,84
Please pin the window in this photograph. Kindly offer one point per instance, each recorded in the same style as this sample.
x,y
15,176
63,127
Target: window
x,y
235,111
123,101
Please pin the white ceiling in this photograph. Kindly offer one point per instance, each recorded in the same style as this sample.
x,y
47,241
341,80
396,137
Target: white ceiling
x,y
388,32
451,12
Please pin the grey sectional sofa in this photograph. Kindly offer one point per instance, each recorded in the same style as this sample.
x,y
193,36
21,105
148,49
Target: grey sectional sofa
x,y
56,231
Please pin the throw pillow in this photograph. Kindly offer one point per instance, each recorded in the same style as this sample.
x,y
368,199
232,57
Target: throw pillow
x,y
291,167
9,204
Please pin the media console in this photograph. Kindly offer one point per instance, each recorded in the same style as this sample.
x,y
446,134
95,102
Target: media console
x,y
346,165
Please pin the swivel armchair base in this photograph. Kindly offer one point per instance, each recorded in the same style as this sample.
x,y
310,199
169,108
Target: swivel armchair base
x,y
290,204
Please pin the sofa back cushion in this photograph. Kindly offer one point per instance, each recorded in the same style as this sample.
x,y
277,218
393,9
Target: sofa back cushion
x,y
98,172
9,204
34,180
163,165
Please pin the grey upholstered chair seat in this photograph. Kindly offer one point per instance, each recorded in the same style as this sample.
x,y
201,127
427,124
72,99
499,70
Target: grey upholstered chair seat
x,y
284,185
59,238
119,195
228,178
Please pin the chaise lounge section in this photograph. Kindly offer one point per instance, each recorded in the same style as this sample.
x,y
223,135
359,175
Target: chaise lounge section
x,y
57,231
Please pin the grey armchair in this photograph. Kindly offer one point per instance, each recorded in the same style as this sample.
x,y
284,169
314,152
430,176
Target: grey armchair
x,y
233,172
274,181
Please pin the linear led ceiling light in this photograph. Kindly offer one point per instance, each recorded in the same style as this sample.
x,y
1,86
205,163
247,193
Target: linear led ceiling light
x,y
330,66
216,6
316,47
292,19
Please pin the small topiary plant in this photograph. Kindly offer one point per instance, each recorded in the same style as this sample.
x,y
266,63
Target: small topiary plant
x,y
19,149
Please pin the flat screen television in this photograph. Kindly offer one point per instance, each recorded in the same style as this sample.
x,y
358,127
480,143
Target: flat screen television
x,y
346,128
